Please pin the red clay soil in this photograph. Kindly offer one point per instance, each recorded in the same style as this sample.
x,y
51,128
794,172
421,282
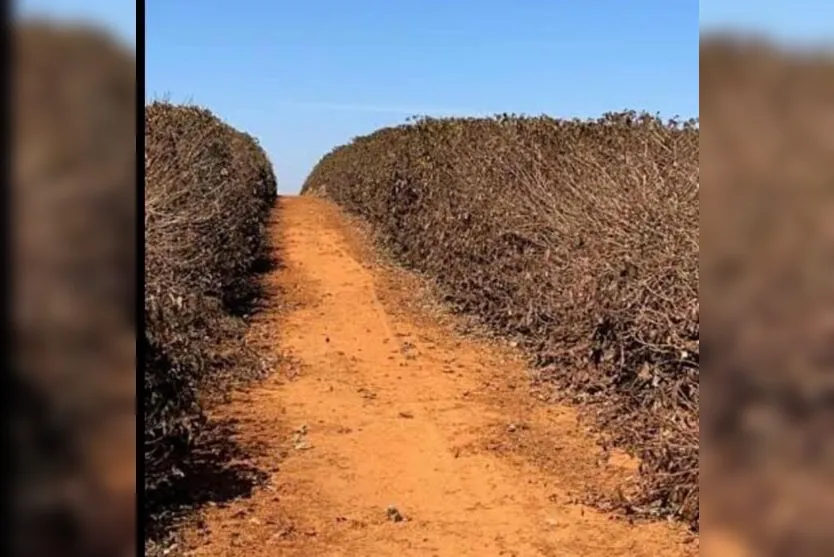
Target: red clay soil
x,y
395,435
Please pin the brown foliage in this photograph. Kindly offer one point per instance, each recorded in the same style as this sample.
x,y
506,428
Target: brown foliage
x,y
208,190
579,239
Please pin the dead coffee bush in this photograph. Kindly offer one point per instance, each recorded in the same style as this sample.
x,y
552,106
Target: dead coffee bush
x,y
208,192
580,237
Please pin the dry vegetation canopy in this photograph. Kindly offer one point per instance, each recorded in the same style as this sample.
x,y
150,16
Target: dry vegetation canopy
x,y
208,190
578,239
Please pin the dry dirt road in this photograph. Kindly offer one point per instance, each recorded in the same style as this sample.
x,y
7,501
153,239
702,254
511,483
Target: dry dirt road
x,y
397,436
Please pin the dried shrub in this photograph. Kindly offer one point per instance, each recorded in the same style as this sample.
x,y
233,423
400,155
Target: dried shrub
x,y
208,191
578,239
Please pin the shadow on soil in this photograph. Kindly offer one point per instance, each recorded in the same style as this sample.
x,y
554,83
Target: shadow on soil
x,y
217,472
250,296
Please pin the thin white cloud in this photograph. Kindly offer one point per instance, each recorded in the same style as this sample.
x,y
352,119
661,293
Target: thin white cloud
x,y
350,107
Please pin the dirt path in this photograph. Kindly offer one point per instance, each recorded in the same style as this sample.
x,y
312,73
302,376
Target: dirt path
x,y
390,407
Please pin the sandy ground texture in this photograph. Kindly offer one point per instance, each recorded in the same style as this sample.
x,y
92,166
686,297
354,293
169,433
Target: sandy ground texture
x,y
391,434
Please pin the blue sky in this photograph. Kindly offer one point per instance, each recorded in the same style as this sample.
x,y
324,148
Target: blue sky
x,y
306,76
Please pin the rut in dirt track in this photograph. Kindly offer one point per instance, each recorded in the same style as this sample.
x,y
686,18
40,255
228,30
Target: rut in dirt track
x,y
390,407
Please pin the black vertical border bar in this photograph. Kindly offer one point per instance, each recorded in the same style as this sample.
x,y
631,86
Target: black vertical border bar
x,y
140,271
